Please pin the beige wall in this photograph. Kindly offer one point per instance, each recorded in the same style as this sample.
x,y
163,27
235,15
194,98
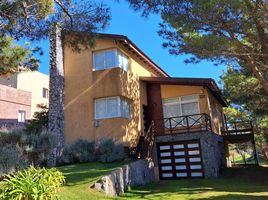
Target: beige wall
x,y
216,111
34,82
83,85
207,102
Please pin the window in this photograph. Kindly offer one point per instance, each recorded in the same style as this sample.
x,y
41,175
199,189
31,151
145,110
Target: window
x,y
181,106
111,107
110,59
45,93
21,116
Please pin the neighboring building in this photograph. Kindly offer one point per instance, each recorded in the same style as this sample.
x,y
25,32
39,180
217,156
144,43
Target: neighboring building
x,y
15,107
116,91
34,82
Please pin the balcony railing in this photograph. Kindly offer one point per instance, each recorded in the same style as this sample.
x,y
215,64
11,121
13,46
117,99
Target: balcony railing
x,y
183,124
238,128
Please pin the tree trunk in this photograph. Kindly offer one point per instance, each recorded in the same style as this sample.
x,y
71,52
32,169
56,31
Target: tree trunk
x,y
258,74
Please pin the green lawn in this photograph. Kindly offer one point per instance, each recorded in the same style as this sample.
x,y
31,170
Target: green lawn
x,y
80,177
247,183
244,183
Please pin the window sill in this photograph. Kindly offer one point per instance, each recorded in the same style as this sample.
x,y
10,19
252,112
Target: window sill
x,y
96,70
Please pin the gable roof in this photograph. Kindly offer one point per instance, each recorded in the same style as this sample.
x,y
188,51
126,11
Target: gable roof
x,y
127,43
205,82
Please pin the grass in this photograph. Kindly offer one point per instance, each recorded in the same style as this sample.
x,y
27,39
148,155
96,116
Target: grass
x,y
243,183
80,177
239,183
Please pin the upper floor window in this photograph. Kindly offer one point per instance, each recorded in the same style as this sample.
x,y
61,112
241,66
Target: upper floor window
x,y
111,107
45,93
110,59
21,116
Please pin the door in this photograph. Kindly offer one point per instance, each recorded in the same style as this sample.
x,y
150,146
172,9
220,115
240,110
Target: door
x,y
180,160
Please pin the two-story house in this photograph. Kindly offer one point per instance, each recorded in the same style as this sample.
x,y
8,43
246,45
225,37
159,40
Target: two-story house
x,y
115,90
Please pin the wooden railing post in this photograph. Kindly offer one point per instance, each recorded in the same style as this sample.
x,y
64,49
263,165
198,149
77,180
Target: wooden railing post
x,y
206,120
187,124
170,125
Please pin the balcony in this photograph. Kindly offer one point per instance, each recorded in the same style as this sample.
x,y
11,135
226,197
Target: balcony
x,y
238,131
183,124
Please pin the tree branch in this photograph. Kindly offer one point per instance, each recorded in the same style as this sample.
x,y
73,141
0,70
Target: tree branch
x,y
64,9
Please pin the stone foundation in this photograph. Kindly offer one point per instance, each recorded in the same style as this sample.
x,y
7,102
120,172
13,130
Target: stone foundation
x,y
140,172
212,150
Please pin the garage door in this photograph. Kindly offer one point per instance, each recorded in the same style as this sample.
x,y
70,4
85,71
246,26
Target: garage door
x,y
180,160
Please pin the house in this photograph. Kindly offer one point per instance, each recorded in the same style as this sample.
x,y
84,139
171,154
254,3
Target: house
x,y
15,107
116,91
20,96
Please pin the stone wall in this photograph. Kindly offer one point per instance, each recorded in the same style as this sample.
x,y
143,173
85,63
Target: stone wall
x,y
10,124
140,172
212,150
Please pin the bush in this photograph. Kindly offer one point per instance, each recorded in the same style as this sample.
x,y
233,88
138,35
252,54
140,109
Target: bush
x,y
19,149
11,137
79,151
10,159
33,183
109,151
39,121
39,147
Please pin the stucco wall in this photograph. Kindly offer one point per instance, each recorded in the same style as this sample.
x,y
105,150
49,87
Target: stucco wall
x,y
171,91
12,100
207,102
83,85
34,82
214,108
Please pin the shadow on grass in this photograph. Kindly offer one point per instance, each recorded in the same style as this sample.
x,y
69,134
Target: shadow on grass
x,y
245,183
86,172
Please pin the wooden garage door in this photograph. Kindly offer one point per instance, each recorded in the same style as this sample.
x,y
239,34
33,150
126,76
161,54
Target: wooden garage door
x,y
180,160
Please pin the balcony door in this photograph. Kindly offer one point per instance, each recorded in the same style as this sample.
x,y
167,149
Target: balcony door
x,y
174,110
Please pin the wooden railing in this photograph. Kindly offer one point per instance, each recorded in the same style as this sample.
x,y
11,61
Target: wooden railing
x,y
187,123
145,144
238,128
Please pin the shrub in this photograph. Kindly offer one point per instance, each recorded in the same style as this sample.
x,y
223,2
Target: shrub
x,y
10,159
39,121
39,147
11,137
109,151
33,183
79,151
19,149
67,156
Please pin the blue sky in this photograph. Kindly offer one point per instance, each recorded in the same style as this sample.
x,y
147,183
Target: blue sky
x,y
143,32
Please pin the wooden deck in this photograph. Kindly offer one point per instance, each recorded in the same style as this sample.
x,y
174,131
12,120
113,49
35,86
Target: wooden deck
x,y
238,132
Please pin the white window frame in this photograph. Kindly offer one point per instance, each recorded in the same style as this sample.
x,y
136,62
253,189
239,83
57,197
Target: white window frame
x,y
119,113
117,51
180,102
20,119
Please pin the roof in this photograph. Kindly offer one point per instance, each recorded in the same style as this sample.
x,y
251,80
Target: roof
x,y
206,82
127,43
